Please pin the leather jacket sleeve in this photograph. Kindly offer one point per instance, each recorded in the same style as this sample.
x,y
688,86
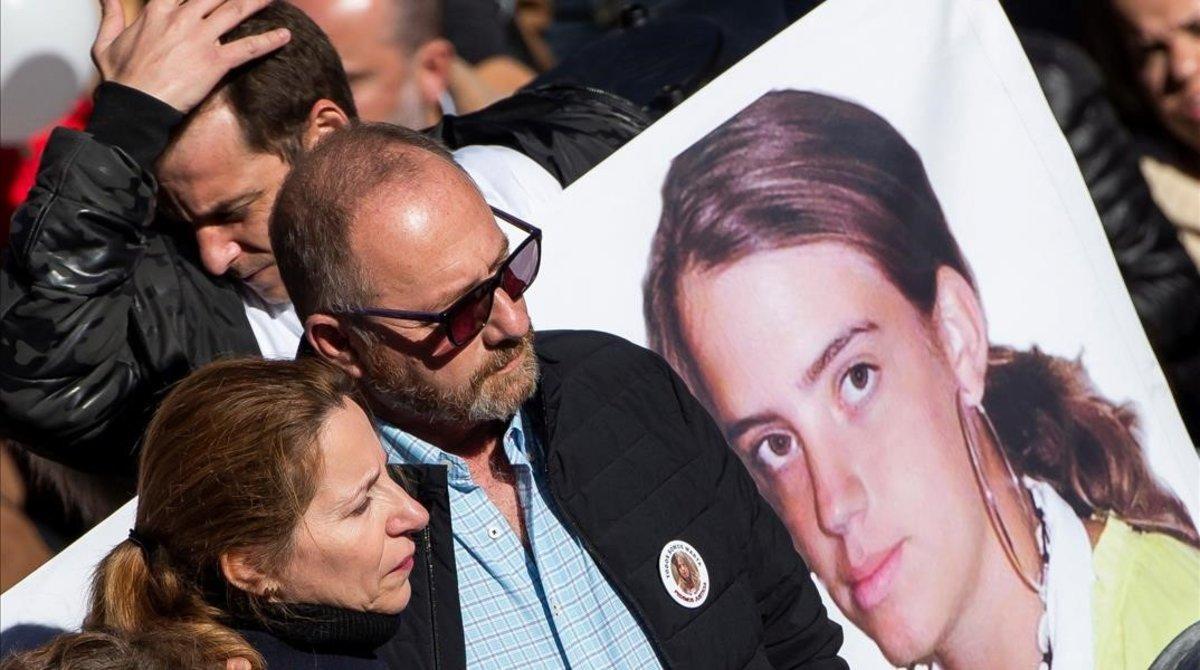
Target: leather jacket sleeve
x,y
564,128
65,346
1161,278
99,311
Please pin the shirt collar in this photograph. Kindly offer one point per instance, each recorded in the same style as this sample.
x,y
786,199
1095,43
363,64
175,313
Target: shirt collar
x,y
408,449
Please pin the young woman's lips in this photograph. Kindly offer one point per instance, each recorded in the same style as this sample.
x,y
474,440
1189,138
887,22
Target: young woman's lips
x,y
872,580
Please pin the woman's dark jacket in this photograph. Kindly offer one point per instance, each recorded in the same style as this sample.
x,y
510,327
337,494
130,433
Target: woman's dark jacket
x,y
319,637
634,462
103,306
1160,276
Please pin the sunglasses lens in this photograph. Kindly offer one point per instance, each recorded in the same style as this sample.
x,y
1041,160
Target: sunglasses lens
x,y
521,272
469,315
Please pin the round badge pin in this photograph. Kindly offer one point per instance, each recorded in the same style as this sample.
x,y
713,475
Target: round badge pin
x,y
683,573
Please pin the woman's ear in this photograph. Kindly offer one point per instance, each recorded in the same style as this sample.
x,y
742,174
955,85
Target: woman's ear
x,y
324,118
240,571
962,331
327,336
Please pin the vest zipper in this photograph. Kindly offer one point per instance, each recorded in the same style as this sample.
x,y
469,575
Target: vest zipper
x,y
427,541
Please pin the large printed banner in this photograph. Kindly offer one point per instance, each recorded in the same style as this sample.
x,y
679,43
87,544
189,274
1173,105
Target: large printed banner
x,y
869,252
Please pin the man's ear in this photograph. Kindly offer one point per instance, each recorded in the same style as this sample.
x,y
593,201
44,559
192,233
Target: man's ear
x,y
324,118
431,67
962,331
240,571
327,336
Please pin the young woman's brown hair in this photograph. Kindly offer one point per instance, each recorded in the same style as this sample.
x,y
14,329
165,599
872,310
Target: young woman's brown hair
x,y
828,170
230,461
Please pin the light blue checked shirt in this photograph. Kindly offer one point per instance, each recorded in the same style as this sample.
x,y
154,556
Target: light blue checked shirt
x,y
549,607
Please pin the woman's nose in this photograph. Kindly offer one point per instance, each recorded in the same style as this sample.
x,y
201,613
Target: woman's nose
x,y
408,516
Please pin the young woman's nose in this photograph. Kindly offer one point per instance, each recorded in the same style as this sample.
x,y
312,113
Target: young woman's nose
x,y
838,491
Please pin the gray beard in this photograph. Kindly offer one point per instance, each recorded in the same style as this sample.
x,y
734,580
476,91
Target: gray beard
x,y
485,397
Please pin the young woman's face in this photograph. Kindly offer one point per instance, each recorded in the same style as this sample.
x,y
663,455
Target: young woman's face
x,y
354,547
685,573
838,396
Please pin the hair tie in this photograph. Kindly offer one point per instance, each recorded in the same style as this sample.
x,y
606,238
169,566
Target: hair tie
x,y
144,543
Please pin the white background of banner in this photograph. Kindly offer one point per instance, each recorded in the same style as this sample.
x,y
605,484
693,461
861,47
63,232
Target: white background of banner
x,y
950,75
952,78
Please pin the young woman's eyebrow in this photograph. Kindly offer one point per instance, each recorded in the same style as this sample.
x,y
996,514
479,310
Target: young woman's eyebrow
x,y
735,430
835,347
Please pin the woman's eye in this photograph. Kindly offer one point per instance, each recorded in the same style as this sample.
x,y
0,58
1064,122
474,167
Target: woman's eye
x,y
774,450
358,511
858,382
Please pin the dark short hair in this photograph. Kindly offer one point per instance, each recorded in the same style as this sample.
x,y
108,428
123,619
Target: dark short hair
x,y
315,208
417,22
273,95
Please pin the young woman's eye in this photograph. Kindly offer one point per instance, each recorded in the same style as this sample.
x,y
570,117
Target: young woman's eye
x,y
858,382
774,450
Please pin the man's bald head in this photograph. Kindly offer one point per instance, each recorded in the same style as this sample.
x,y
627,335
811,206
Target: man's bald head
x,y
332,189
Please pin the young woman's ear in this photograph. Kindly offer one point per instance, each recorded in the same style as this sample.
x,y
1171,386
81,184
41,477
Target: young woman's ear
x,y
962,331
329,339
241,572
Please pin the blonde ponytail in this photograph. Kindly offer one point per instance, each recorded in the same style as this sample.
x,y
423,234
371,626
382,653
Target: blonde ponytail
x,y
136,590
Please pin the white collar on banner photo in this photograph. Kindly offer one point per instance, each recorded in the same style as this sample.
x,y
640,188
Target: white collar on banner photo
x,y
1066,593
1066,625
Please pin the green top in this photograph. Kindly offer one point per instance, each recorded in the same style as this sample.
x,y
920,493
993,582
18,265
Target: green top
x,y
1147,590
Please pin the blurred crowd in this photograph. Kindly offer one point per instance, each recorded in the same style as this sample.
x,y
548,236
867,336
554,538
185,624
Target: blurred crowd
x,y
561,84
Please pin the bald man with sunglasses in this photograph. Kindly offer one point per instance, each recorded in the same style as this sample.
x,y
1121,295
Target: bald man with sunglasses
x,y
563,471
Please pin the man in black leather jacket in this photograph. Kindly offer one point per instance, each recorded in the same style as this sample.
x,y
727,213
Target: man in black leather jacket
x,y
1160,276
104,301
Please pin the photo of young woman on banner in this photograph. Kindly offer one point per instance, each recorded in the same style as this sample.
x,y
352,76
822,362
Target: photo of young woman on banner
x,y
806,227
869,252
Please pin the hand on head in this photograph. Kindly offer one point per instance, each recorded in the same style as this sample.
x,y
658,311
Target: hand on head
x,y
173,52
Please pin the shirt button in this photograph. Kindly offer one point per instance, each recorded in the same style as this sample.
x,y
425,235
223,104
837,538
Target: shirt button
x,y
556,608
493,532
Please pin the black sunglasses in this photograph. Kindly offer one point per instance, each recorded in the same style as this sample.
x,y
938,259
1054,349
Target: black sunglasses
x,y
467,316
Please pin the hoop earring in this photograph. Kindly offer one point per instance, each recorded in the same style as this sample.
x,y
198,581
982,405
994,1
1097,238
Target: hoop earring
x,y
989,497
